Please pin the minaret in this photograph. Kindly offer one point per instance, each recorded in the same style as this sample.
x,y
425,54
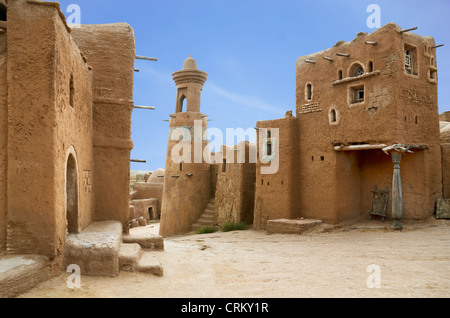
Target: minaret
x,y
187,178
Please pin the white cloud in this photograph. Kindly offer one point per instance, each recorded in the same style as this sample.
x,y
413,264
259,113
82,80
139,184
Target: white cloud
x,y
248,101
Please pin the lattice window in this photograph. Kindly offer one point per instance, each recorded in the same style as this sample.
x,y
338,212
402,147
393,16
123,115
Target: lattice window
x,y
359,71
408,62
411,61
358,94
309,108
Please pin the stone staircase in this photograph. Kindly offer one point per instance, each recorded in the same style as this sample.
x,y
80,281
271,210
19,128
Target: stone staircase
x,y
207,218
102,250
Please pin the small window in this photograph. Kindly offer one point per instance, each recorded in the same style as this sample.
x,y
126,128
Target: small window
x,y
411,66
2,12
72,91
432,61
224,165
262,181
408,62
416,120
356,69
433,74
182,105
322,158
359,71
312,158
181,166
333,116
358,95
308,91
340,75
269,134
370,67
269,148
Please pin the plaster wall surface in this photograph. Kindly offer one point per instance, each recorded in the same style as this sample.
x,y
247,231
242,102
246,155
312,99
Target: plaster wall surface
x,y
187,184
445,149
110,50
235,187
277,193
3,139
396,108
49,113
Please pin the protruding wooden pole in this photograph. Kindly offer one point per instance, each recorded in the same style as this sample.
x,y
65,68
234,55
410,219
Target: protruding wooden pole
x,y
407,30
146,58
138,160
145,107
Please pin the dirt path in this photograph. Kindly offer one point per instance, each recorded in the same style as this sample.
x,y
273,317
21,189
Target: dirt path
x,y
324,262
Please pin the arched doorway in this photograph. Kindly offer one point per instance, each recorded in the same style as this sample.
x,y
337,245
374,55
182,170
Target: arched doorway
x,y
72,194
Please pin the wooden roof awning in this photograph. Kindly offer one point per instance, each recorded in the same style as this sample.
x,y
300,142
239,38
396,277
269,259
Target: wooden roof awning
x,y
397,147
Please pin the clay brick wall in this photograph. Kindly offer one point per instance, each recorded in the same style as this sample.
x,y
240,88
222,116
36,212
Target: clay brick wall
x,y
276,195
110,50
188,190
3,139
235,189
73,76
397,108
43,126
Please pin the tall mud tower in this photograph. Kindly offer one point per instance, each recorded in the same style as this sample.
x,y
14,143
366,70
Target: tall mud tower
x,y
187,179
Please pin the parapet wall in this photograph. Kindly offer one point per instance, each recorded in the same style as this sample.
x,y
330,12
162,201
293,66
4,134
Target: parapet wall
x,y
3,139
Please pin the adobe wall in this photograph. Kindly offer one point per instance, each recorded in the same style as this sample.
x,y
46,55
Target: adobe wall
x,y
3,139
187,187
73,134
235,188
445,148
277,194
148,190
110,50
445,116
33,226
397,108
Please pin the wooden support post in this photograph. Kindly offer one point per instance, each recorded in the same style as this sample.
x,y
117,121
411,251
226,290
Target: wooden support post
x,y
343,54
397,195
328,58
371,42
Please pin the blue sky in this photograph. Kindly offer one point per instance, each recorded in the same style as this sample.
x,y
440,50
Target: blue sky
x,y
248,48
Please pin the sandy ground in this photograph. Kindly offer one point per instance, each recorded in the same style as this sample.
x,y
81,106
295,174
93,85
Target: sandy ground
x,y
327,261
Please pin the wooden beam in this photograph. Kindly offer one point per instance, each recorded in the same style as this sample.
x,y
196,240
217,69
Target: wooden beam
x,y
407,30
138,57
138,160
144,107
